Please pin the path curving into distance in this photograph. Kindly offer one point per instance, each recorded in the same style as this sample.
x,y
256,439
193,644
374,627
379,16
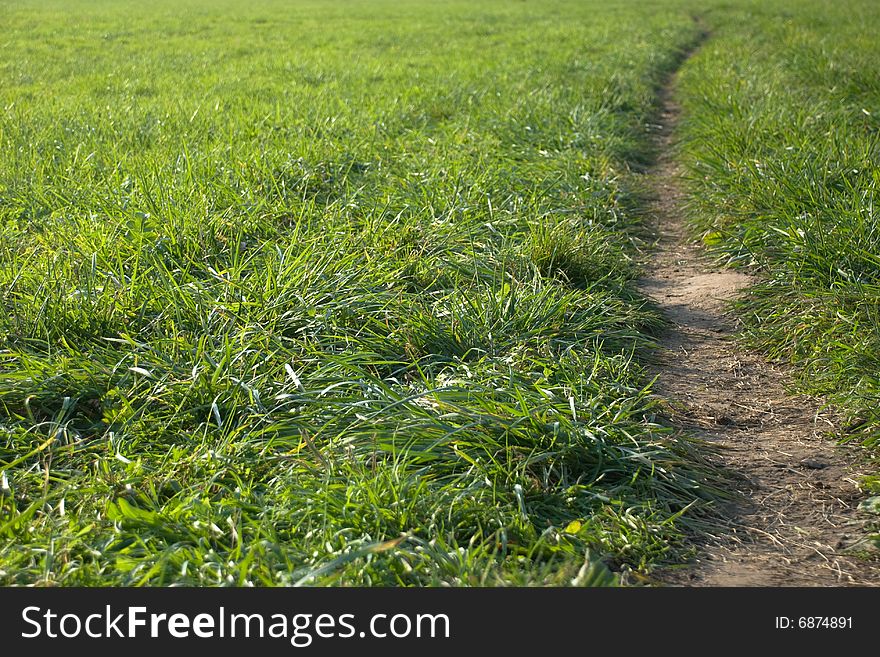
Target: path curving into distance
x,y
792,520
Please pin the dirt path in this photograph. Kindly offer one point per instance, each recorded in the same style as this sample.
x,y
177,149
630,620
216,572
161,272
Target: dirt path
x,y
796,519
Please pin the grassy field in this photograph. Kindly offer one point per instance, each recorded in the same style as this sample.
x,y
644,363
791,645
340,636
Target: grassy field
x,y
300,292
783,140
328,293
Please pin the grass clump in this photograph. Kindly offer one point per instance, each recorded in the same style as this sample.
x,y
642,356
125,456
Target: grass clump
x,y
583,256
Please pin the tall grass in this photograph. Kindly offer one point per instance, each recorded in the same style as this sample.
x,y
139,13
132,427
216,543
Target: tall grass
x,y
783,139
329,293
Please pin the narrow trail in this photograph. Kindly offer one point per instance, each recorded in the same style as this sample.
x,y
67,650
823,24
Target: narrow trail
x,y
792,520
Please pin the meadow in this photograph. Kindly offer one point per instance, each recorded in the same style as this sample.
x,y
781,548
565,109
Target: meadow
x,y
301,292
783,141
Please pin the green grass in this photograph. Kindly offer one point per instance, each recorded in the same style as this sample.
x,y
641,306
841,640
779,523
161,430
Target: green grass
x,y
300,292
330,293
783,140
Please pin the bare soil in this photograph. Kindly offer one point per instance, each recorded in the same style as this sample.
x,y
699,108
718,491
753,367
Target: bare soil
x,y
793,519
